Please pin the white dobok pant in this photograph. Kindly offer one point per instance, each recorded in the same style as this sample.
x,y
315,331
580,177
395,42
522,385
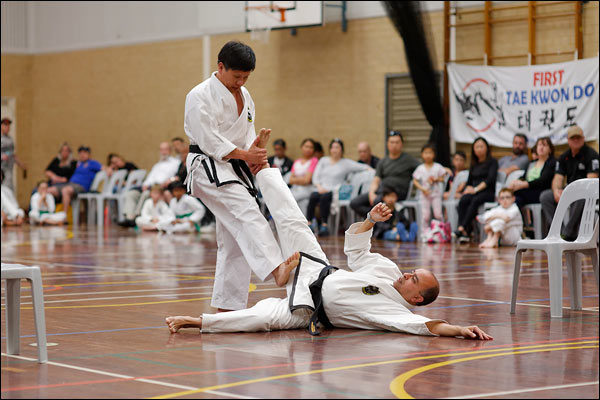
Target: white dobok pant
x,y
294,235
509,236
244,239
183,227
36,218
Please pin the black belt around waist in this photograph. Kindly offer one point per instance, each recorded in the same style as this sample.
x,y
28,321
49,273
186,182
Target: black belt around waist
x,y
319,313
240,168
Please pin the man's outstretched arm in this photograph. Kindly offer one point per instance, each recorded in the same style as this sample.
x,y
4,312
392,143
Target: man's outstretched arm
x,y
468,332
379,213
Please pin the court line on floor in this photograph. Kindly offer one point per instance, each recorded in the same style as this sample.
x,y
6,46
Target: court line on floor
x,y
348,367
119,378
398,383
140,296
537,389
202,372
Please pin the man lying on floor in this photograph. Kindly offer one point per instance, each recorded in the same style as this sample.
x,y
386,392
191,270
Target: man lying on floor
x,y
374,295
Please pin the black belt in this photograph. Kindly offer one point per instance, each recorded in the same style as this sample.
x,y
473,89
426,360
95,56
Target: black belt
x,y
319,313
240,168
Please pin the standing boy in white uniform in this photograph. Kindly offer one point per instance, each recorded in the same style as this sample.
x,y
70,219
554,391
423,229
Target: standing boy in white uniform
x,y
219,121
374,295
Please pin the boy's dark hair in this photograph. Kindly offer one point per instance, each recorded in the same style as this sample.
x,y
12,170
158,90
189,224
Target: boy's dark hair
x,y
279,142
430,146
461,153
177,185
388,190
237,55
318,146
177,139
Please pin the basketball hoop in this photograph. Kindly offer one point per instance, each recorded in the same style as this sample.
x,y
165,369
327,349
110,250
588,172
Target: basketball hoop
x,y
268,11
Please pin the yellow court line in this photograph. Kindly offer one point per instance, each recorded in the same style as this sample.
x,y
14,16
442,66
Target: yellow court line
x,y
189,278
67,237
122,305
251,288
397,385
318,371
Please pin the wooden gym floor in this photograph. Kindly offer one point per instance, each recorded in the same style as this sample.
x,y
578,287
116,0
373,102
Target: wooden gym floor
x,y
106,299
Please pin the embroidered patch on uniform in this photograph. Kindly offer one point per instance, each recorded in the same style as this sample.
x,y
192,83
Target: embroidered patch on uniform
x,y
370,290
249,116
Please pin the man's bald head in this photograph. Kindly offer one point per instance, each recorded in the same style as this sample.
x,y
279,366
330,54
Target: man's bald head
x,y
418,287
165,149
364,152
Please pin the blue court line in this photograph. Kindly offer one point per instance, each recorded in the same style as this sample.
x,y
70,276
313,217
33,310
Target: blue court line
x,y
498,302
163,326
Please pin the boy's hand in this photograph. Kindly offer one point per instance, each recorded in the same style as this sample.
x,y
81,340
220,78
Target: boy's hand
x,y
380,213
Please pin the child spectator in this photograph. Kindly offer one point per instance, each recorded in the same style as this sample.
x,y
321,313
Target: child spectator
x,y
12,215
188,212
459,163
43,208
154,211
503,224
429,178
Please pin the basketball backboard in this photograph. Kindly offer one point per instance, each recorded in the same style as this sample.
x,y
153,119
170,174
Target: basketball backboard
x,y
283,14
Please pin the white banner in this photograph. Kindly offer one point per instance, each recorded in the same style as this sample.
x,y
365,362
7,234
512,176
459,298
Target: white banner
x,y
537,100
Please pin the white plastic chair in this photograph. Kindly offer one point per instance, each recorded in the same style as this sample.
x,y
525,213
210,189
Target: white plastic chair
x,y
536,216
114,182
555,246
99,179
357,181
135,178
451,204
412,201
13,273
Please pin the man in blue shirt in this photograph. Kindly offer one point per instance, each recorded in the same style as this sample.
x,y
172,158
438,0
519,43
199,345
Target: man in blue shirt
x,y
81,180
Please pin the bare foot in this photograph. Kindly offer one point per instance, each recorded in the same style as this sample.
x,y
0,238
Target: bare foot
x,y
282,272
263,138
176,323
488,245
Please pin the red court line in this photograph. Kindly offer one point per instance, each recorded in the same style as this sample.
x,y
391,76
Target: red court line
x,y
80,383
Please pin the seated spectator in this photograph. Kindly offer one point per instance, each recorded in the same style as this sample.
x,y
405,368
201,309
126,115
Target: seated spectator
x,y
538,177
503,224
42,208
12,215
480,187
393,171
578,162
182,150
397,228
459,163
188,212
319,150
115,162
155,212
365,156
160,174
302,172
81,180
519,159
60,169
330,173
429,178
279,159
9,157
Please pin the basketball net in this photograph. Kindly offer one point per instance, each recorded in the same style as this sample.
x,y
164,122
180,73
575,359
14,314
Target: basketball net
x,y
262,34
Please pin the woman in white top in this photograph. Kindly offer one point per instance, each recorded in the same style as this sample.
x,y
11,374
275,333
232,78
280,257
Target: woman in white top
x,y
43,208
330,173
302,172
